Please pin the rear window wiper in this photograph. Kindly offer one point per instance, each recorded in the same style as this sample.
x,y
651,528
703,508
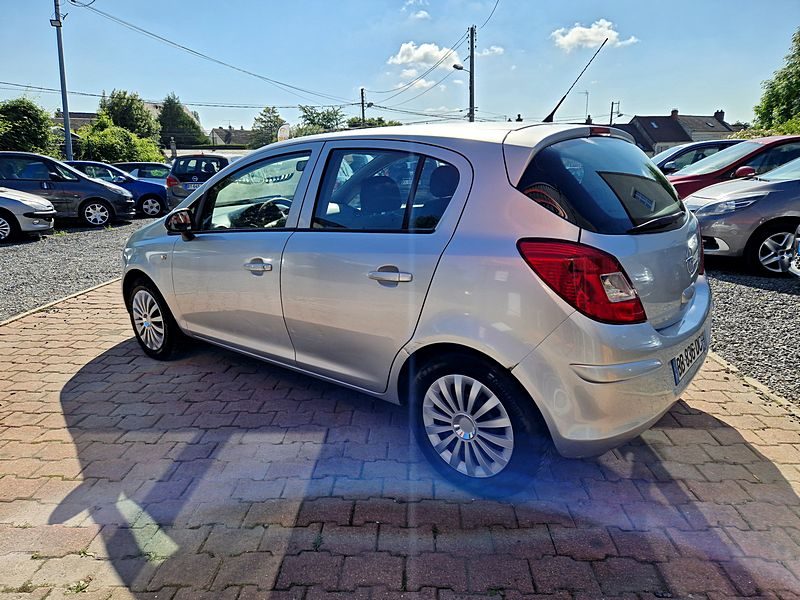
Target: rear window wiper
x,y
657,223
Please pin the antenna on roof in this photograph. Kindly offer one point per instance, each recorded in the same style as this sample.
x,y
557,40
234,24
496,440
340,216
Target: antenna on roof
x,y
549,118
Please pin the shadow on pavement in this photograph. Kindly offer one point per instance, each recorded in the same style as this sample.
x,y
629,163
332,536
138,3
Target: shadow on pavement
x,y
216,472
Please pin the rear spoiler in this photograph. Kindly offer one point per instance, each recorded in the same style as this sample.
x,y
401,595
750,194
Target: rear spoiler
x,y
521,145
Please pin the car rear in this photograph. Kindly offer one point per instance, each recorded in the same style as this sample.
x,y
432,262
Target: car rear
x,y
190,172
629,285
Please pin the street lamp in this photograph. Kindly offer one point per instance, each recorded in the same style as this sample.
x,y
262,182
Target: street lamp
x,y
460,67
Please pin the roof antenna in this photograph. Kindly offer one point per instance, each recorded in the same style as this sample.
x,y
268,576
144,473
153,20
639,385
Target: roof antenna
x,y
549,118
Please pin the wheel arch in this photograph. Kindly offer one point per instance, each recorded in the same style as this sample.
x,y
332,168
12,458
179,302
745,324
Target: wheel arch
x,y
792,222
129,281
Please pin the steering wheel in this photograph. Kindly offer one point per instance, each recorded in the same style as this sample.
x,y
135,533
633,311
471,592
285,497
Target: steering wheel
x,y
269,211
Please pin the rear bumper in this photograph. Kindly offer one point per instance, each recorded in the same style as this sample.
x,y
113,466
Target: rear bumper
x,y
599,385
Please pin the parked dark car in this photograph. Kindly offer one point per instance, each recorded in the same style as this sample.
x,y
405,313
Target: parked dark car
x,y
189,172
147,171
746,159
676,158
150,198
73,194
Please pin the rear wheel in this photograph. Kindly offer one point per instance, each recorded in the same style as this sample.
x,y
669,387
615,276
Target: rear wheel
x,y
9,228
151,206
476,425
153,324
96,213
771,249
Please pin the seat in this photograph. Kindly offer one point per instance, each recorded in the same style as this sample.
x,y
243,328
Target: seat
x,y
35,170
381,202
442,184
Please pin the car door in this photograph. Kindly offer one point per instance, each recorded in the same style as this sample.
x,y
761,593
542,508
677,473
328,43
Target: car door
x,y
227,278
33,175
356,272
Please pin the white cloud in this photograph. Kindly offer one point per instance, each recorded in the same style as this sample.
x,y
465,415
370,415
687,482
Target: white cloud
x,y
409,73
513,67
423,84
423,55
492,51
443,87
457,82
589,37
421,15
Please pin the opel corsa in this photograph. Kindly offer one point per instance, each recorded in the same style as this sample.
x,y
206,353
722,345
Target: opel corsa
x,y
506,283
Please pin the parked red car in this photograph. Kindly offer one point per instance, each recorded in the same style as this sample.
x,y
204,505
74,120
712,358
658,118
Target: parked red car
x,y
746,159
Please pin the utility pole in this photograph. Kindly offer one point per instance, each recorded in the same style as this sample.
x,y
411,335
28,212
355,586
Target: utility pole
x,y
611,115
64,102
472,74
363,108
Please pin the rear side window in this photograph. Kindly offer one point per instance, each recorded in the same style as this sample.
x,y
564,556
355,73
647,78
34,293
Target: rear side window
x,y
601,184
157,172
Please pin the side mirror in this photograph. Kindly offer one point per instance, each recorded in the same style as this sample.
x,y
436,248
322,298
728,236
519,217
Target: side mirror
x,y
118,179
180,222
669,167
744,172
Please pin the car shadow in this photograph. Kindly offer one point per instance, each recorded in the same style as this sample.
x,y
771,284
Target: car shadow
x,y
217,471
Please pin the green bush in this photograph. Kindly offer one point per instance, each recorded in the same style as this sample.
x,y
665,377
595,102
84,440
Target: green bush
x,y
26,127
105,142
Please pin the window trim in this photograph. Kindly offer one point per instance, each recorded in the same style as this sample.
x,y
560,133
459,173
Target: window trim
x,y
409,201
201,201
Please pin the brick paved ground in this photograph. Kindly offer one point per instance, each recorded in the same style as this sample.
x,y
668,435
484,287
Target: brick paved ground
x,y
217,476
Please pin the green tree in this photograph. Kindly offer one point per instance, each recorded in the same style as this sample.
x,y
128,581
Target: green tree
x,y
355,122
128,110
326,119
780,101
265,127
106,142
26,127
177,123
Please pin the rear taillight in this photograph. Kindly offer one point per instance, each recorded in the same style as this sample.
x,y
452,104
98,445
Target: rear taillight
x,y
590,280
172,181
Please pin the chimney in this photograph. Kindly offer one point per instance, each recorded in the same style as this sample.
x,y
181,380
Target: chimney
x,y
674,113
720,115
588,119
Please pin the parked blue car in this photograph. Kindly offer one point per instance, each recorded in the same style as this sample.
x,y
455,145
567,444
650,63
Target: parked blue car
x,y
151,198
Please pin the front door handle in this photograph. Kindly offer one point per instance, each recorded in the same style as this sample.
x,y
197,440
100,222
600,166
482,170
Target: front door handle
x,y
258,266
45,185
390,276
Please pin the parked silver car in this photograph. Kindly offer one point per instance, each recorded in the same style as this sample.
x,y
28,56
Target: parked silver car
x,y
507,282
22,213
755,217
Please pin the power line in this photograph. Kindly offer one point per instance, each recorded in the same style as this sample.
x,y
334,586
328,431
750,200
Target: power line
x,y
494,8
279,84
424,91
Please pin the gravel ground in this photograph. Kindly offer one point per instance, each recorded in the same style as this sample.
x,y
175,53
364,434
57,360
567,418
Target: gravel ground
x,y
34,272
756,325
756,319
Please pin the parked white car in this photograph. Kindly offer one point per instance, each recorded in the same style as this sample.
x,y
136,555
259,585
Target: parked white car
x,y
507,282
23,213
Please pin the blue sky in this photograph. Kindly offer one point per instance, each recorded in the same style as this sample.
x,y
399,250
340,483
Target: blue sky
x,y
696,56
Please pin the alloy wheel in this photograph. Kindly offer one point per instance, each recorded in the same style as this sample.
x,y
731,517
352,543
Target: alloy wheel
x,y
5,229
468,426
96,213
151,207
148,320
776,252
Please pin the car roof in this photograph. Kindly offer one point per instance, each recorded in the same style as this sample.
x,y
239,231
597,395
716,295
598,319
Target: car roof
x,y
772,139
197,156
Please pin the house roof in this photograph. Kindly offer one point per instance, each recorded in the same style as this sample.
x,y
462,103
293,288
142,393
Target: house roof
x,y
704,124
232,136
662,129
637,135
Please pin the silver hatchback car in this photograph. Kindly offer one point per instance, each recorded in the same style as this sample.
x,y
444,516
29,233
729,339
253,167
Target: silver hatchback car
x,y
508,283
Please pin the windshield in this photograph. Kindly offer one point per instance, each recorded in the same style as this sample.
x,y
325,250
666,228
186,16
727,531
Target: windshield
x,y
666,153
787,172
721,159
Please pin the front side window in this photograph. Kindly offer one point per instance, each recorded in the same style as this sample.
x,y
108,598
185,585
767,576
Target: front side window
x,y
774,157
98,172
256,197
383,190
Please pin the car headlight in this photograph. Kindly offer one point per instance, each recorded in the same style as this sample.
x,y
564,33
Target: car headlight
x,y
729,205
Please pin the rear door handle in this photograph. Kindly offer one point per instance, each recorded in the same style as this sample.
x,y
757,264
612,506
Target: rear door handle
x,y
45,185
390,276
258,266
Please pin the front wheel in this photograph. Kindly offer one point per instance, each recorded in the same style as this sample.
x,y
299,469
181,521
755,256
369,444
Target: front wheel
x,y
476,425
9,228
151,206
96,213
153,324
770,251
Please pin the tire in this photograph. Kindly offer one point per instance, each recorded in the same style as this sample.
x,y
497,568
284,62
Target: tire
x,y
769,252
9,228
153,324
151,206
96,213
446,436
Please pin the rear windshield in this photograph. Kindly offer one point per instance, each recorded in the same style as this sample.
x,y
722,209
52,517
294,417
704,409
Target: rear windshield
x,y
207,165
601,184
721,159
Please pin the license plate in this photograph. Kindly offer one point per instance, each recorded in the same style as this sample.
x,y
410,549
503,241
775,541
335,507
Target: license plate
x,y
191,186
690,355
